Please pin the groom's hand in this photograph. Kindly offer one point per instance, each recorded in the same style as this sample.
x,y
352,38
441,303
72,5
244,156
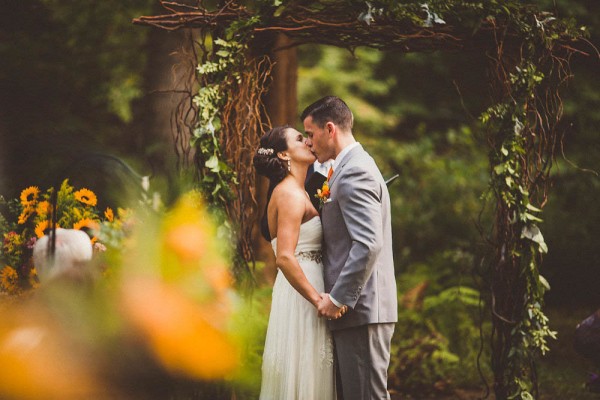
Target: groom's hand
x,y
327,309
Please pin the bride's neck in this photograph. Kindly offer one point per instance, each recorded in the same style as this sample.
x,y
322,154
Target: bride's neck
x,y
298,175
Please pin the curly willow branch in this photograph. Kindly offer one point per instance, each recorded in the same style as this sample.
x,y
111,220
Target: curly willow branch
x,y
244,119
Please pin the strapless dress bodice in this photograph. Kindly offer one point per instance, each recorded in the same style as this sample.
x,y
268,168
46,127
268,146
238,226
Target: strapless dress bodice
x,y
309,238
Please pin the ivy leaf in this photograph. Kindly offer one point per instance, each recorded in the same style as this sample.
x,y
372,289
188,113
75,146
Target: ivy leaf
x,y
518,128
279,10
532,217
212,164
499,169
223,53
533,233
532,208
544,282
431,18
216,124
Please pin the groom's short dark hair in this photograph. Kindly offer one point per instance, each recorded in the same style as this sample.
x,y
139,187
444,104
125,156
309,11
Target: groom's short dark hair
x,y
329,108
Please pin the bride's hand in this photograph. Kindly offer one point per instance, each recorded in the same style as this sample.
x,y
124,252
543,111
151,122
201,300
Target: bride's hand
x,y
322,297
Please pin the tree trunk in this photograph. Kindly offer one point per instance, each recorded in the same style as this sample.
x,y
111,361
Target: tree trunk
x,y
167,75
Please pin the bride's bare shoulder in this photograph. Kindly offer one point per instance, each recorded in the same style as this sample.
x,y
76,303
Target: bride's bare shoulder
x,y
286,192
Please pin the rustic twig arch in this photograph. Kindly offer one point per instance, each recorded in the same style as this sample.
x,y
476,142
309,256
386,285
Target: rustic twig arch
x,y
529,55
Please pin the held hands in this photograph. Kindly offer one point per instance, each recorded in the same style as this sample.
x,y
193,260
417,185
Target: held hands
x,y
327,309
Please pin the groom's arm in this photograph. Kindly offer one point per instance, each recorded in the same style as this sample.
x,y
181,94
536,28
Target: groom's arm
x,y
359,199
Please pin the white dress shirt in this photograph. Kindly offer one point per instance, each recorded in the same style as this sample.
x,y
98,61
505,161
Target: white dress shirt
x,y
323,168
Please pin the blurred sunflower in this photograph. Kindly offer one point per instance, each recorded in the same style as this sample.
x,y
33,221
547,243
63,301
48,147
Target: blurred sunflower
x,y
177,332
93,225
41,227
109,214
86,196
33,279
43,209
25,214
9,279
29,195
28,217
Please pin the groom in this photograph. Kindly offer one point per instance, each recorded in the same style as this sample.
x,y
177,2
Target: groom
x,y
357,253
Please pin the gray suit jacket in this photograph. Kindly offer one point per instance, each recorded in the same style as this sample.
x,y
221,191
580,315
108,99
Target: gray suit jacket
x,y
357,248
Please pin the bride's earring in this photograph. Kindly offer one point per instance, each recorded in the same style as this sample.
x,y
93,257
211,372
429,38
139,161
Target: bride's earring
x,y
289,165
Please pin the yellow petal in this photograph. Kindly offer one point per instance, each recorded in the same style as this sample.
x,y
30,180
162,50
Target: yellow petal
x,y
176,331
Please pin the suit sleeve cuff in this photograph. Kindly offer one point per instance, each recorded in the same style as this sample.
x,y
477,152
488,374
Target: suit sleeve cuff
x,y
337,303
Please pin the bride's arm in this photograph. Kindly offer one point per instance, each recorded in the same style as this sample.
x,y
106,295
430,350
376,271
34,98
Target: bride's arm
x,y
290,211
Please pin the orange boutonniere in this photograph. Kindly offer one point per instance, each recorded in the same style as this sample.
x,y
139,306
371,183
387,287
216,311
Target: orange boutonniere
x,y
324,193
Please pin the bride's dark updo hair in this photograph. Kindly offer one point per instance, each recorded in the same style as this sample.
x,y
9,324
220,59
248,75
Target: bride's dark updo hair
x,y
269,165
265,160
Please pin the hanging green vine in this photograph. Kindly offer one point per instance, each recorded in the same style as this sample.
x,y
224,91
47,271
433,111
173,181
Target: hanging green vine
x,y
225,91
520,328
529,52
216,76
523,137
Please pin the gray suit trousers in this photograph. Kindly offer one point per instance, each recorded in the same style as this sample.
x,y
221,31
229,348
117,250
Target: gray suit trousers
x,y
363,356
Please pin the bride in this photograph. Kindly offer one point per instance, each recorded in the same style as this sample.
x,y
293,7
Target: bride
x,y
298,353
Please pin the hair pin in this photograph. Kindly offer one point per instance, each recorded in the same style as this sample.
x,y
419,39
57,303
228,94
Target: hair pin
x,y
265,152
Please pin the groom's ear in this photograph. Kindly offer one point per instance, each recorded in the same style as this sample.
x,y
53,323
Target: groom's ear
x,y
330,128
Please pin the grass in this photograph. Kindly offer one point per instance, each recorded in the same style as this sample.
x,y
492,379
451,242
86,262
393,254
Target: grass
x,y
563,372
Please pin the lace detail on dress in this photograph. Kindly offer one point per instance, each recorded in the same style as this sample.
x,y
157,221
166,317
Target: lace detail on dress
x,y
312,255
326,353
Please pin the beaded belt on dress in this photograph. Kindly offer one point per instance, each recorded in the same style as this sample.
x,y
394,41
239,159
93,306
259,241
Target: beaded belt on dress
x,y
312,255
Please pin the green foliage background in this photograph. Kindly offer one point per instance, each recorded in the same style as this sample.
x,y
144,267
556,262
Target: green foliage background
x,y
73,78
71,82
416,113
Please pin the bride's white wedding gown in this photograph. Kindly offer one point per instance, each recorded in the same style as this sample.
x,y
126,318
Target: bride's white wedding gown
x,y
298,353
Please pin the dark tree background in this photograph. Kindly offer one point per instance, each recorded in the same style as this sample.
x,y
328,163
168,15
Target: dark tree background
x,y
77,77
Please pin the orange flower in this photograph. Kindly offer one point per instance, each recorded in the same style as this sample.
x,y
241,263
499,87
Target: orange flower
x,y
323,193
27,211
33,278
187,241
86,196
178,333
9,280
41,227
29,195
43,208
109,214
87,223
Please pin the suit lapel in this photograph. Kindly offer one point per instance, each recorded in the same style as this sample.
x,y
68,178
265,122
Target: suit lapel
x,y
343,162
